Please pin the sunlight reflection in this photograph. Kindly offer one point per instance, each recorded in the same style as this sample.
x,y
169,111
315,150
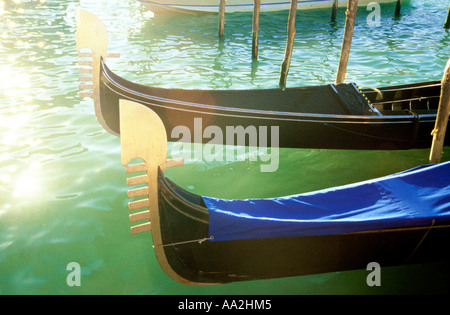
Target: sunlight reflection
x,y
9,80
4,157
9,139
14,122
5,179
4,209
28,98
28,184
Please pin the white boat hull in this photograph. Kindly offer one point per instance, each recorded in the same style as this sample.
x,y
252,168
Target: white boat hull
x,y
199,6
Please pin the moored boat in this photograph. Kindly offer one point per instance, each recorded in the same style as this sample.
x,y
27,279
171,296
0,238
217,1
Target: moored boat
x,y
210,6
333,116
330,116
198,240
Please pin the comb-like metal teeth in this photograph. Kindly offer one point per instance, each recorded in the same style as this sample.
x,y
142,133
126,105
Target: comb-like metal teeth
x,y
113,55
137,180
85,78
144,215
138,192
85,54
85,70
140,216
89,55
141,166
138,204
85,94
174,162
83,86
85,63
136,168
142,192
85,67
140,228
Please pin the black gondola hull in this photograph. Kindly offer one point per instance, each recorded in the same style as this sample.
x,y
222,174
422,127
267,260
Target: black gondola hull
x,y
184,229
394,130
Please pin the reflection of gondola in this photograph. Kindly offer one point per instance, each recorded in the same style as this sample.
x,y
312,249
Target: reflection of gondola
x,y
402,218
330,116
197,6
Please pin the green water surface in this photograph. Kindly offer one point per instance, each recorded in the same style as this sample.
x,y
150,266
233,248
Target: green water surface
x,y
62,188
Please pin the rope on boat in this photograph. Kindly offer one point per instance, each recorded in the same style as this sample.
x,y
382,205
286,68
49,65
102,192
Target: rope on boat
x,y
379,93
421,241
186,242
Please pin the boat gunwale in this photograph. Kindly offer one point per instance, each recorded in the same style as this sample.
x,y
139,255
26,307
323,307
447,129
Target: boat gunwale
x,y
247,7
170,186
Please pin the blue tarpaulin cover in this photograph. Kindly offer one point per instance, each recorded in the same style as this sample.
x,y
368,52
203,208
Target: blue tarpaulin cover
x,y
412,198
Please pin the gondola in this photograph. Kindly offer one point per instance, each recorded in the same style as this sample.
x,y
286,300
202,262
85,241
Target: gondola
x,y
197,6
394,220
256,247
330,116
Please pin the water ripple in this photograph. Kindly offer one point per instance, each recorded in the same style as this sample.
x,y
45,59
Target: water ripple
x,y
62,188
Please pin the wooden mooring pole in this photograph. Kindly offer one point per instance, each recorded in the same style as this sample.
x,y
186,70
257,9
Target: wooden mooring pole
x,y
352,8
440,127
398,8
222,18
289,44
447,21
255,28
334,10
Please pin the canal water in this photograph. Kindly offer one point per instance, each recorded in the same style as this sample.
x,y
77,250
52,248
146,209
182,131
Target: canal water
x,y
62,187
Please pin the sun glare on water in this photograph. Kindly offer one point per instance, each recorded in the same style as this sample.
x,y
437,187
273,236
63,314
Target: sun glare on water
x,y
29,183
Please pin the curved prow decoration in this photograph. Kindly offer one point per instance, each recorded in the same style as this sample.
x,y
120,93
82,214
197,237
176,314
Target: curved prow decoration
x,y
93,35
143,136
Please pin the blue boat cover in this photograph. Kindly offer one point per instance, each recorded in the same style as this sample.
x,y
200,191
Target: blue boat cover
x,y
412,198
